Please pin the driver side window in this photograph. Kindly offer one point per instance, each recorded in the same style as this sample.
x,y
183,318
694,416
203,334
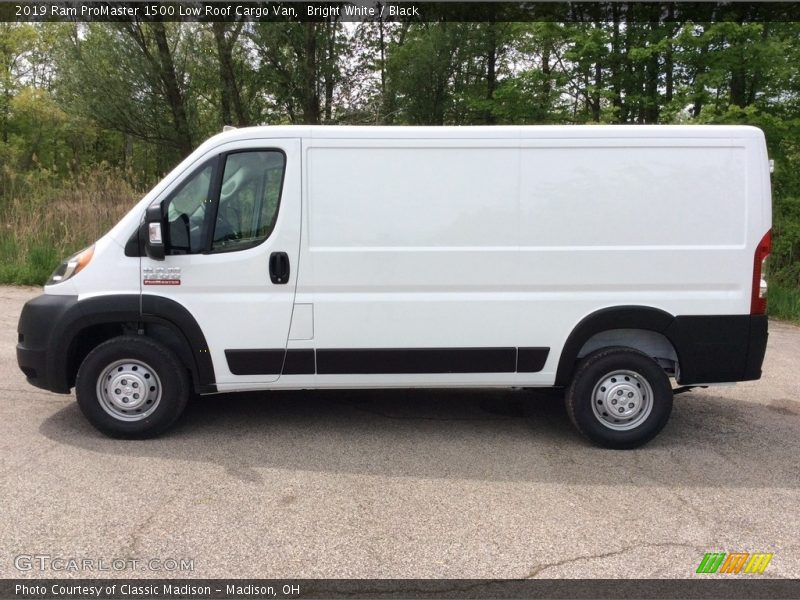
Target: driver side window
x,y
209,213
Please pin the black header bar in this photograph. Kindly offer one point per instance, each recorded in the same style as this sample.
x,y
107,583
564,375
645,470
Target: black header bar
x,y
397,11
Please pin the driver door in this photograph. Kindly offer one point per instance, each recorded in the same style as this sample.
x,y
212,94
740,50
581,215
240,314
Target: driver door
x,y
232,237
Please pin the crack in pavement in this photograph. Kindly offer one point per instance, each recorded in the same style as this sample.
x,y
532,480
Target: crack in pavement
x,y
34,391
140,529
542,567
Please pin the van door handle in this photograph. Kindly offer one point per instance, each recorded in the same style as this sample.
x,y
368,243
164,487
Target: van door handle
x,y
279,267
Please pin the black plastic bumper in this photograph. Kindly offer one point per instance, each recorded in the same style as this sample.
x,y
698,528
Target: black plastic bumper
x,y
36,347
719,348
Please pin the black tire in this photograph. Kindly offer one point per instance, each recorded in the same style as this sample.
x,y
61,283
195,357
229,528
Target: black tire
x,y
631,372
146,362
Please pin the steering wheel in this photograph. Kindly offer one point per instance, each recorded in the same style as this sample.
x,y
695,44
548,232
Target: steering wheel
x,y
179,235
224,230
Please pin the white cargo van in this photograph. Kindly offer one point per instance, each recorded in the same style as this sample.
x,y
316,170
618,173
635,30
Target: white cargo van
x,y
605,260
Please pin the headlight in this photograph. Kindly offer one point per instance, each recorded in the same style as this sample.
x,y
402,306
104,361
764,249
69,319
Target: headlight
x,y
71,266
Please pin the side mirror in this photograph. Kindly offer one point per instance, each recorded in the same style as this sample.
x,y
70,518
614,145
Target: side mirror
x,y
154,244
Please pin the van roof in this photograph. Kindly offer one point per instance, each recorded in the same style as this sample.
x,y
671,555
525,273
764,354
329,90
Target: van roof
x,y
488,132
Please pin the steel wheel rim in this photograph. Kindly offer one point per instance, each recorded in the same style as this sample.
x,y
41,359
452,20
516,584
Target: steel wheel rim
x,y
129,390
622,400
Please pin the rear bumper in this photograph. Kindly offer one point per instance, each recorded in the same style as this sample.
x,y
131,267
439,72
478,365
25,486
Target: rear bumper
x,y
717,349
36,347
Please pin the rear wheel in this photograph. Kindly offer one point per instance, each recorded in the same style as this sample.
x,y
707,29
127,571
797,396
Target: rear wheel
x,y
619,398
132,387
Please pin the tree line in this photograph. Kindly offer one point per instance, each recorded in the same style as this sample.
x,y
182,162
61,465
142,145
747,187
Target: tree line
x,y
141,95
167,86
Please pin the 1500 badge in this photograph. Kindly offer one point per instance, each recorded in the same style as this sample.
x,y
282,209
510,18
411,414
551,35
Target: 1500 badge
x,y
161,275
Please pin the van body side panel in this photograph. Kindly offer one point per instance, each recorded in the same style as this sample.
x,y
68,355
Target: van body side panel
x,y
658,223
412,245
601,222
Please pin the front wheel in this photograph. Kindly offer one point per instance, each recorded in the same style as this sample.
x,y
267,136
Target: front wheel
x,y
132,387
619,398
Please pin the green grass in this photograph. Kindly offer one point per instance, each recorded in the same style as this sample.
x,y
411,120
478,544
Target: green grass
x,y
783,303
28,263
44,218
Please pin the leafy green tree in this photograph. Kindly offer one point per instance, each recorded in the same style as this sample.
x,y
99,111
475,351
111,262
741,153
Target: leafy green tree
x,y
300,69
133,78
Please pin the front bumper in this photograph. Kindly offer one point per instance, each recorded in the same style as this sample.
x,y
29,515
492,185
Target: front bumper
x,y
37,341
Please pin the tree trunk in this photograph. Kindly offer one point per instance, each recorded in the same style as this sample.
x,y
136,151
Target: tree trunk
x,y
383,61
7,74
330,58
389,107
172,89
616,65
6,111
491,74
627,107
598,82
738,86
547,81
699,91
669,61
442,78
230,96
127,151
652,108
738,95
310,93
756,79
218,28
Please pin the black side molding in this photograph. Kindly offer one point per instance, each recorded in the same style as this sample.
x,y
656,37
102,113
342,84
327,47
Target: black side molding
x,y
531,360
373,361
255,362
381,361
299,362
271,362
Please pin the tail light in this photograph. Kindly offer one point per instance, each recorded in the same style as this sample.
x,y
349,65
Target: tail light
x,y
758,299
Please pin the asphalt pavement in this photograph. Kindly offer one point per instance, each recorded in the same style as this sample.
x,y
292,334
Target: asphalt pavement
x,y
396,484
